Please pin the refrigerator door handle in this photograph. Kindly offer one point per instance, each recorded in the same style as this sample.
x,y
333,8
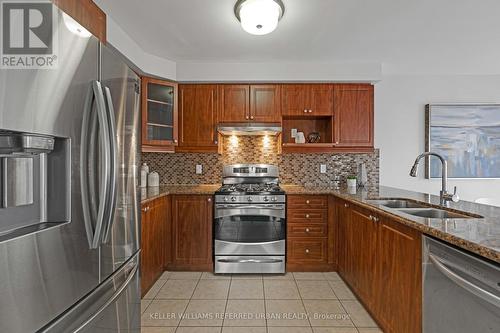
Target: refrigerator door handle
x,y
96,95
111,198
110,301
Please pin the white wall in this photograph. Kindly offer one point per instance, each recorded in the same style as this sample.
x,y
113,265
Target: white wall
x,y
399,125
278,71
147,64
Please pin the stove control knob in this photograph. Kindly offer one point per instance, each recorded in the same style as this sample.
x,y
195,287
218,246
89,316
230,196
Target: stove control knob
x,y
274,199
233,198
266,199
226,199
250,199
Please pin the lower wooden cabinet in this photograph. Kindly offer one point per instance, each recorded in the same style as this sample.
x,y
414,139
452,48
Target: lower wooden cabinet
x,y
308,233
380,259
155,221
361,248
398,277
192,217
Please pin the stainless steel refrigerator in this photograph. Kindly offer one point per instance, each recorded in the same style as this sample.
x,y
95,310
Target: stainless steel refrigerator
x,y
69,221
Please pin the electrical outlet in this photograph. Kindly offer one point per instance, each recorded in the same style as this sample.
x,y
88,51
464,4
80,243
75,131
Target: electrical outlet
x,y
294,133
322,168
199,169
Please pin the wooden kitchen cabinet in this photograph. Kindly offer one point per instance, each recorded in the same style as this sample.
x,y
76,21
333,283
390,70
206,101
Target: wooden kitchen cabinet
x,y
159,115
342,219
307,100
234,103
192,219
198,118
353,111
380,259
398,278
361,247
249,103
155,220
265,103
308,233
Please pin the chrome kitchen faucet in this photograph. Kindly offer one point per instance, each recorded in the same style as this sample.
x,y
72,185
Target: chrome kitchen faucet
x,y
444,196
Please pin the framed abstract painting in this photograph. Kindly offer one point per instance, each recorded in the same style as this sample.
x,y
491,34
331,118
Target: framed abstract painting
x,y
467,136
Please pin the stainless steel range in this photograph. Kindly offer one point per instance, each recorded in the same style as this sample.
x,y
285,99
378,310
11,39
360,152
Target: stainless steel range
x,y
250,221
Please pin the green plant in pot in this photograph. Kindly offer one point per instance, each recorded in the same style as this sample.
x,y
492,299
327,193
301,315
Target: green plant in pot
x,y
351,181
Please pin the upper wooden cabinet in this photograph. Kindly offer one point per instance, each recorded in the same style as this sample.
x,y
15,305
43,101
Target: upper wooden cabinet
x,y
234,103
159,115
353,110
197,118
265,103
249,103
307,100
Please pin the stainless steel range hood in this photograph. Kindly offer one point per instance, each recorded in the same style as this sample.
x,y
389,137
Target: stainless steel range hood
x,y
249,129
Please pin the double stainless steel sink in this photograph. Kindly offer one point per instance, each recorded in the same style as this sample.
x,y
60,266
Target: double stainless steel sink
x,y
419,209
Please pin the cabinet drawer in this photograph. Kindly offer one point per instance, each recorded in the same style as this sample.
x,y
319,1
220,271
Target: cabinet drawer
x,y
307,230
307,215
307,250
307,201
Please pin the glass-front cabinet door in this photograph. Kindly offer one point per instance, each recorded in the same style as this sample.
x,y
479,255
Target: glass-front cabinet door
x,y
159,115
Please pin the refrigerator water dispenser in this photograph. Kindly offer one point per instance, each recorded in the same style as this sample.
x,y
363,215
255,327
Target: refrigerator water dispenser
x,y
34,182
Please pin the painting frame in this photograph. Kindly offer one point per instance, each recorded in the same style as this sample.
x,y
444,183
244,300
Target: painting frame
x,y
428,141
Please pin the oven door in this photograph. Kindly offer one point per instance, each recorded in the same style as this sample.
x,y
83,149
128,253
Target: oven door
x,y
245,229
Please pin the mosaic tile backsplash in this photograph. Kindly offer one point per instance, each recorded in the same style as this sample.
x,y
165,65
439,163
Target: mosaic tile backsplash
x,y
300,169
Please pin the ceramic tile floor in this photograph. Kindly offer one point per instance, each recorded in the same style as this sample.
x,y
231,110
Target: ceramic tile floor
x,y
195,302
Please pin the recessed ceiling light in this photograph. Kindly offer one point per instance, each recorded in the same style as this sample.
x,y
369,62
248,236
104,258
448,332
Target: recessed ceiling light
x,y
259,17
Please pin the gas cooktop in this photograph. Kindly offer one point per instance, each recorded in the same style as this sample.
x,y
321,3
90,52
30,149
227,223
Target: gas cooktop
x,y
250,189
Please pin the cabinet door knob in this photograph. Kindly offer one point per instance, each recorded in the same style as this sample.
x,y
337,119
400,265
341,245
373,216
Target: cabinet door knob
x,y
209,199
310,111
246,117
307,250
305,111
251,117
175,140
346,205
307,201
307,229
145,209
216,142
307,216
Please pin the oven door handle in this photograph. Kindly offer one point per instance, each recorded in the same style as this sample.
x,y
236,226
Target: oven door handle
x,y
249,210
251,261
251,207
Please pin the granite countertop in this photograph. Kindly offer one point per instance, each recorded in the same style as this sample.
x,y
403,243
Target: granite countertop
x,y
478,235
151,193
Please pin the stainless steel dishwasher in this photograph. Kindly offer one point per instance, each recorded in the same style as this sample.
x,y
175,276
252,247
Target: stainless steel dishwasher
x,y
461,292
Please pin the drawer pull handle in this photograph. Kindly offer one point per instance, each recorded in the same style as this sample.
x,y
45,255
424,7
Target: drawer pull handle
x,y
307,202
307,229
307,250
307,216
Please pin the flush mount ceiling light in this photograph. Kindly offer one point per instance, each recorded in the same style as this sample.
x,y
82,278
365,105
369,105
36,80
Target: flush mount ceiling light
x,y
259,17
75,27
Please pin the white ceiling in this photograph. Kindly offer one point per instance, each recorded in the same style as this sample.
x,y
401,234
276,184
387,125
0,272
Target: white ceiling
x,y
396,32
